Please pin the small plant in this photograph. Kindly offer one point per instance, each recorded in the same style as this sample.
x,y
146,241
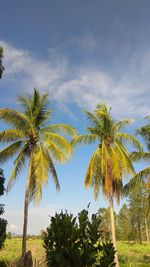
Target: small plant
x,y
71,244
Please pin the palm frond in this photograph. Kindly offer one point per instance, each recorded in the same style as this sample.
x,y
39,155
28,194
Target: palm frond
x,y
55,151
61,142
11,135
129,139
139,177
121,124
19,163
53,172
138,156
40,165
145,134
42,112
88,181
36,108
60,128
116,163
27,105
84,139
92,118
127,166
35,193
9,151
15,118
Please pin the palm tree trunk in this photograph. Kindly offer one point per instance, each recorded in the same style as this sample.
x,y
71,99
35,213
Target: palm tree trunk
x,y
112,219
146,228
26,204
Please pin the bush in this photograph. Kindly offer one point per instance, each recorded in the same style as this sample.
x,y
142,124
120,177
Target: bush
x,y
71,244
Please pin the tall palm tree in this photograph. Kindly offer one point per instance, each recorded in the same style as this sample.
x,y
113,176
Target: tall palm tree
x,y
110,161
32,139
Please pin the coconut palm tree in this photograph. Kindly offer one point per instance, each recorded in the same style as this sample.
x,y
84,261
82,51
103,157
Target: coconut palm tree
x,y
32,139
110,161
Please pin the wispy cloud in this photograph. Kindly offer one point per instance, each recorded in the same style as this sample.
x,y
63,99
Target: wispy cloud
x,y
87,42
86,85
26,71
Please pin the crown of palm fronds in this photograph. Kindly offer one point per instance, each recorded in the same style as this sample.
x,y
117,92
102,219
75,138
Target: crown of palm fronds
x,y
31,137
110,161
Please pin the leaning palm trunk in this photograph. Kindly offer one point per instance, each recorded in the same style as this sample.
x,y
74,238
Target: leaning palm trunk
x,y
26,205
147,232
113,229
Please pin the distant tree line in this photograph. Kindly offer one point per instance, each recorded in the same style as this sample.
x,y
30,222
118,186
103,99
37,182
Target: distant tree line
x,y
132,223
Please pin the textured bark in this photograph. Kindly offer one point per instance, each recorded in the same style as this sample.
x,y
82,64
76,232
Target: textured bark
x,y
26,204
113,229
27,261
147,233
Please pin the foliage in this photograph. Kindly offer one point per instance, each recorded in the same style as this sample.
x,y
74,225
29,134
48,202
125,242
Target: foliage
x,y
142,156
72,244
110,161
138,207
124,229
31,137
9,235
32,140
3,223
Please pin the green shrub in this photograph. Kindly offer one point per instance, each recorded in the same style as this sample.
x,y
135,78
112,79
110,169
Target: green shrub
x,y
71,244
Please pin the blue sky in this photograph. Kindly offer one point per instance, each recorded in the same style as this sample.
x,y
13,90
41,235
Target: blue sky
x,y
82,52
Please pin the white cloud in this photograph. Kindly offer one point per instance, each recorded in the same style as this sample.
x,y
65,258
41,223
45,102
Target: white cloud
x,y
26,71
85,86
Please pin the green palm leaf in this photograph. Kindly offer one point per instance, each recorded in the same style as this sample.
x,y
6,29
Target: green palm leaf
x,y
19,163
60,128
9,151
129,139
121,124
11,135
15,118
138,156
60,141
137,178
84,138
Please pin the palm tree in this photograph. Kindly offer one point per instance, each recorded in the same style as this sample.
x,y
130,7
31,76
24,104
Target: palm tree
x,y
110,161
31,139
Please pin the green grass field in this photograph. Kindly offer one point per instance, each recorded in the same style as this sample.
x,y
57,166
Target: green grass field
x,y
130,255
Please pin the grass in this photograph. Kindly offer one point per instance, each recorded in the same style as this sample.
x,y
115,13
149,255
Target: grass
x,y
12,250
133,255
130,255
